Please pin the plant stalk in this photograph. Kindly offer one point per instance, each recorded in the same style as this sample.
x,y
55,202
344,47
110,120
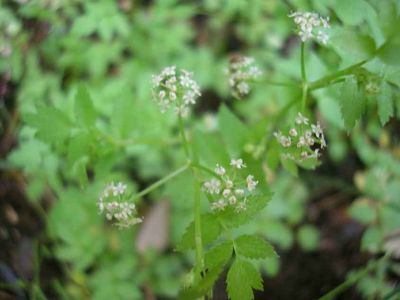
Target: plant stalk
x,y
303,64
327,80
161,181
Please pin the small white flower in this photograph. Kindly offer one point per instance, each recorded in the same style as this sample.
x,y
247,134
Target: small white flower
x,y
239,192
241,71
251,183
213,186
229,183
237,163
113,203
293,132
317,130
300,119
218,205
311,26
169,84
226,193
232,200
220,170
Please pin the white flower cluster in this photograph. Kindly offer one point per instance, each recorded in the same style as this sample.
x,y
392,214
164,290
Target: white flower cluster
x,y
241,70
230,189
310,25
113,203
175,88
304,140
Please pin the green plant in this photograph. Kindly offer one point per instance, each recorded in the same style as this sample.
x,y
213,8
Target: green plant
x,y
82,140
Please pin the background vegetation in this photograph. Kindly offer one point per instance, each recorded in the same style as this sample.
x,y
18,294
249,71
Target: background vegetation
x,y
337,224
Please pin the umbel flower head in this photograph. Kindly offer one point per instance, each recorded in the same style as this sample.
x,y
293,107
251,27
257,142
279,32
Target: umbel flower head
x,y
310,26
175,88
303,142
230,187
241,71
113,202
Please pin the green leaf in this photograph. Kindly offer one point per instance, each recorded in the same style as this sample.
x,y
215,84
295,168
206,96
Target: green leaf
x,y
385,103
290,166
219,254
252,246
234,133
242,278
52,125
210,230
363,211
389,52
353,46
78,146
79,170
84,109
352,103
205,284
308,237
372,239
352,12
231,218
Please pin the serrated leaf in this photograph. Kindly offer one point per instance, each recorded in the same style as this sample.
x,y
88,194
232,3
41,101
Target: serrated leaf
x,y
352,103
385,103
234,133
219,254
83,107
242,278
52,125
231,218
252,246
210,230
205,284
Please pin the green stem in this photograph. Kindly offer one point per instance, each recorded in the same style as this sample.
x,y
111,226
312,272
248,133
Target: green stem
x,y
303,64
204,168
327,80
183,137
349,282
278,83
197,229
304,96
197,204
161,181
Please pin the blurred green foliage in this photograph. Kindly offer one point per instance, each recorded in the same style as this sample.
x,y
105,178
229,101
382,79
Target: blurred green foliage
x,y
83,75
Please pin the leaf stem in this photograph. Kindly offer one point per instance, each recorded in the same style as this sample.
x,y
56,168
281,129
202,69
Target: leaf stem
x,y
183,137
196,200
304,96
278,83
349,282
161,181
197,229
204,168
329,79
303,64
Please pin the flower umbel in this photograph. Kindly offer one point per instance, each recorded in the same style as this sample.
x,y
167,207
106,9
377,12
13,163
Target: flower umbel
x,y
310,26
230,188
113,202
241,71
175,88
304,141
